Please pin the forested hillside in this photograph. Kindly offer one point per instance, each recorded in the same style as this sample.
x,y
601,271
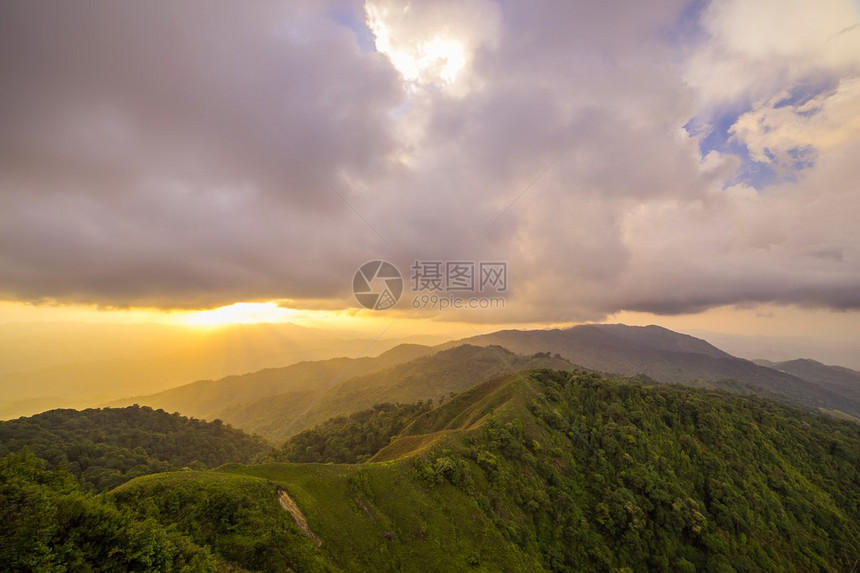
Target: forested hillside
x,y
48,524
106,447
350,439
542,471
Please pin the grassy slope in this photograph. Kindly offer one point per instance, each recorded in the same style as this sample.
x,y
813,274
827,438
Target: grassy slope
x,y
369,516
372,518
543,472
237,516
430,377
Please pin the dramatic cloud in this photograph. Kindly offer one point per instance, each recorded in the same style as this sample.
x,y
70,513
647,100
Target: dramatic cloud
x,y
618,155
753,49
434,43
787,133
169,154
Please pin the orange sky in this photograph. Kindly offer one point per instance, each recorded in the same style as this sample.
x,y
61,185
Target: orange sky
x,y
686,164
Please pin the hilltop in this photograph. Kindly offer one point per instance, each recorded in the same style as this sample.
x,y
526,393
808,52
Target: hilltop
x,y
105,447
544,471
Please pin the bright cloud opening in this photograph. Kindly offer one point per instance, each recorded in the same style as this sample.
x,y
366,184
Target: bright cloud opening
x,y
240,313
432,45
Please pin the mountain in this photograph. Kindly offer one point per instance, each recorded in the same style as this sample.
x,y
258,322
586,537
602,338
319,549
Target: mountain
x,y
838,379
103,448
542,471
45,366
666,356
432,377
279,402
301,382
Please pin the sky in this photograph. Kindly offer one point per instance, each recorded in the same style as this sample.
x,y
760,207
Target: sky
x,y
690,164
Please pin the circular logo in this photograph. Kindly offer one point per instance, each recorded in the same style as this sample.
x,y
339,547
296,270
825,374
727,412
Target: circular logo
x,y
377,285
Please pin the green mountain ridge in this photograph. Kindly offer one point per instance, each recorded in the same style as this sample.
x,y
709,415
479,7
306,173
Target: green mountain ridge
x,y
545,471
277,403
280,402
431,377
668,356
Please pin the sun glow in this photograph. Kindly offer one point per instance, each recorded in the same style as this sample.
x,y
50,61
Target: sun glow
x,y
435,60
240,313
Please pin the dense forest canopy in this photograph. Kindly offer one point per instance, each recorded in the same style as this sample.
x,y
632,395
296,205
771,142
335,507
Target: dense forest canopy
x,y
539,471
106,447
47,523
606,475
350,439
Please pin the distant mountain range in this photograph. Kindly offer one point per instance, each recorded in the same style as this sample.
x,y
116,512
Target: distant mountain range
x,y
843,381
668,356
41,369
279,402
